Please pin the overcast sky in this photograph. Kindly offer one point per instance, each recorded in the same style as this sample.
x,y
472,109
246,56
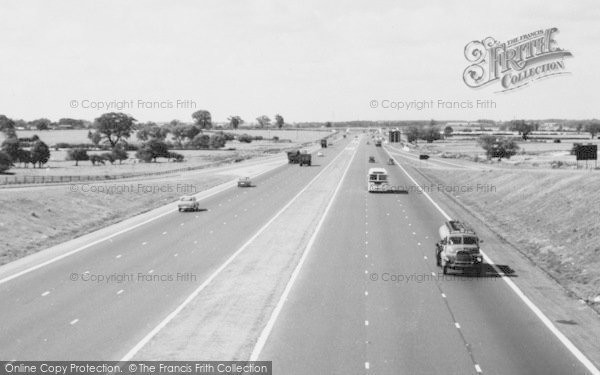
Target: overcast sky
x,y
309,60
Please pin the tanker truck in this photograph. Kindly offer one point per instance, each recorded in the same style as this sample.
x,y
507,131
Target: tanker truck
x,y
458,248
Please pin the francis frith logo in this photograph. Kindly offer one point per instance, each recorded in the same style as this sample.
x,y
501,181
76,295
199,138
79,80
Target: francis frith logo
x,y
514,63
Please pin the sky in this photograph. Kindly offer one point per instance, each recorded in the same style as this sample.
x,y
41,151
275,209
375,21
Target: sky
x,y
308,60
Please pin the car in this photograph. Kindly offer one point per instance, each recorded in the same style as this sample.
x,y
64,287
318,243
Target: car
x,y
371,159
188,203
391,161
320,153
244,182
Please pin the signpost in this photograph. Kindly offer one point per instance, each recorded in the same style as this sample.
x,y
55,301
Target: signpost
x,y
586,152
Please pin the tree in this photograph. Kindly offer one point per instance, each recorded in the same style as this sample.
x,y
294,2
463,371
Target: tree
x,y
279,121
40,153
7,126
201,141
108,156
181,132
176,157
5,162
119,153
203,119
25,157
430,133
412,133
96,159
593,127
328,124
94,137
151,130
498,147
41,124
11,147
77,154
235,121
152,150
217,141
522,127
244,138
114,127
448,131
263,121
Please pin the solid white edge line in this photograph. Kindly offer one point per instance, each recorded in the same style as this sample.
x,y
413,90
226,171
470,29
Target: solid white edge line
x,y
231,258
262,339
547,322
219,189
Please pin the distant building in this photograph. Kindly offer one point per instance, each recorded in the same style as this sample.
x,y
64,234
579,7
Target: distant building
x,y
549,126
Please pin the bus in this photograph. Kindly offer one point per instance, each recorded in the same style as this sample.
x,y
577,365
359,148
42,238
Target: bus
x,y
377,180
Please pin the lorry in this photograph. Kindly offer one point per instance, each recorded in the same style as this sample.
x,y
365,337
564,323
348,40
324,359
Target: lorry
x,y
293,157
324,143
297,157
378,143
458,248
305,159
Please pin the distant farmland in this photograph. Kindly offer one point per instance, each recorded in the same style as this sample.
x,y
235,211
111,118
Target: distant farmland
x,y
52,137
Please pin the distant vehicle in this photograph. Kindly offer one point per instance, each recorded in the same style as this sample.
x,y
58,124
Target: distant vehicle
x,y
344,135
323,143
244,182
188,203
458,248
378,143
377,180
371,159
368,142
293,157
423,157
305,159
390,161
557,140
320,153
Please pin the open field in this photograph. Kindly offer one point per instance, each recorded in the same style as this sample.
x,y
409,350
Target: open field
x,y
530,154
59,166
52,137
549,216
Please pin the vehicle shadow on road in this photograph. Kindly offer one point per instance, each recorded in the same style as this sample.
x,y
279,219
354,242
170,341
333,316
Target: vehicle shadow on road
x,y
391,191
489,271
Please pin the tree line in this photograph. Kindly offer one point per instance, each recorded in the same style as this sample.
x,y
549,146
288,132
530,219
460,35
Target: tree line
x,y
113,130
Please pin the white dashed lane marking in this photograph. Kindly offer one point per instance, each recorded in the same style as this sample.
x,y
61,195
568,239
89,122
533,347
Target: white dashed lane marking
x,y
45,293
74,321
120,291
151,271
164,233
118,256
457,325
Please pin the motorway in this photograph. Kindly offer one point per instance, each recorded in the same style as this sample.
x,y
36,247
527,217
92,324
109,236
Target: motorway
x,y
337,320
368,298
46,315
